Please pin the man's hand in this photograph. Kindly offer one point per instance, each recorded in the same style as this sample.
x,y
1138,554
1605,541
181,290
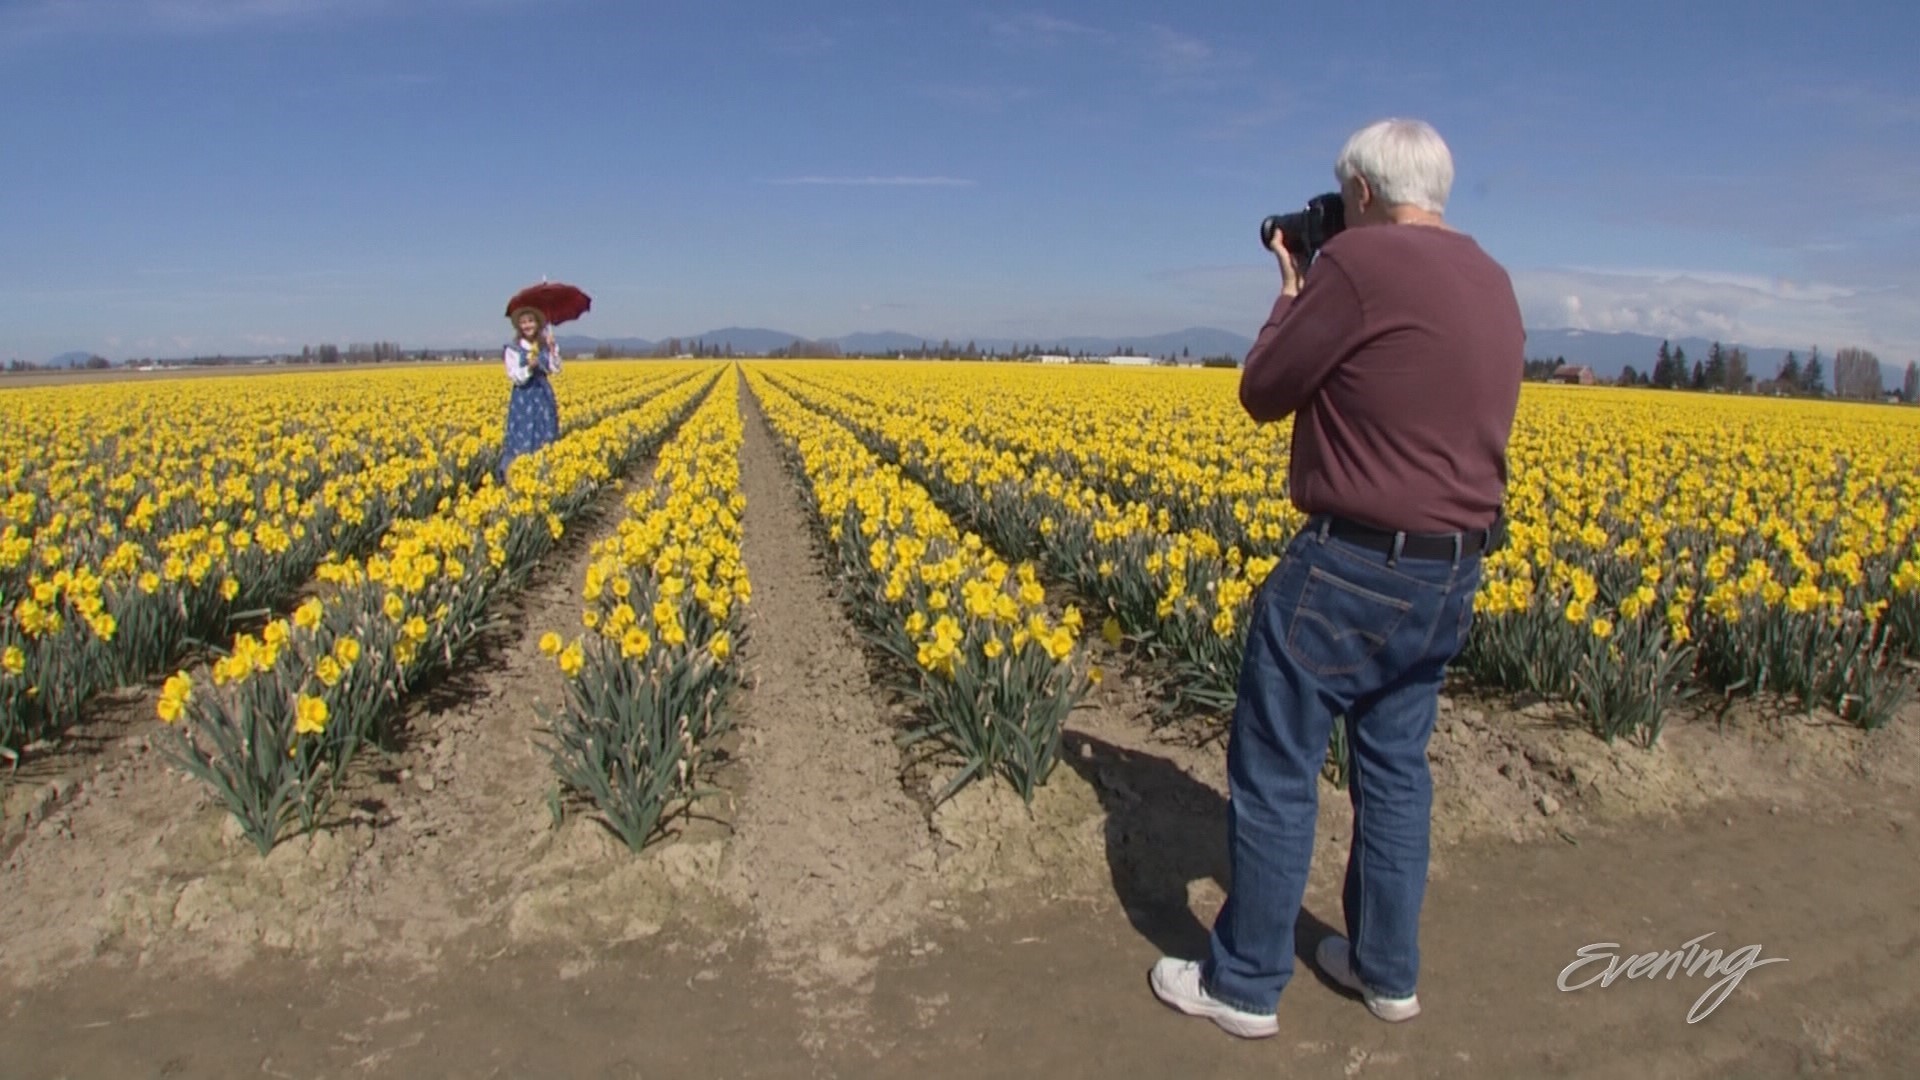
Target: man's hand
x,y
1289,274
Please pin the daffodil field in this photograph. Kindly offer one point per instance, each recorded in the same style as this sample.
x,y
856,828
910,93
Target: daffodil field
x,y
992,666
650,681
313,689
290,557
1661,544
1147,553
136,521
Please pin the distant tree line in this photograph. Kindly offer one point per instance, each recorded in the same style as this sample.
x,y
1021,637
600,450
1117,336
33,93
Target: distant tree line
x,y
1541,369
380,352
1857,375
673,347
1016,353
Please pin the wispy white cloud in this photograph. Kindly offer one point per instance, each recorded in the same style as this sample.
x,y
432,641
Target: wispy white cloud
x,y
876,181
1774,287
1183,63
1171,59
1175,53
38,19
42,18
1750,308
1037,28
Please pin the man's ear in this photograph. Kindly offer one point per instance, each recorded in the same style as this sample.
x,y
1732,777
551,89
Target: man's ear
x,y
1364,195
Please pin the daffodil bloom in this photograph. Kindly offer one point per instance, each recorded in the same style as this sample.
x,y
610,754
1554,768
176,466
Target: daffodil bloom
x,y
310,715
635,642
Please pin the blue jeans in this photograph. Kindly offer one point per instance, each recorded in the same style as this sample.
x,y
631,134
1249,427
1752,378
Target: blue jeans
x,y
1336,630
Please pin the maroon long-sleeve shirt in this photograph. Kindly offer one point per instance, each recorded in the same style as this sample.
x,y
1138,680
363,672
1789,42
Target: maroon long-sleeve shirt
x,y
1400,362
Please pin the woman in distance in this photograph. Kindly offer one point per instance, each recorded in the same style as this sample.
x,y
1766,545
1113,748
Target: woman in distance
x,y
532,359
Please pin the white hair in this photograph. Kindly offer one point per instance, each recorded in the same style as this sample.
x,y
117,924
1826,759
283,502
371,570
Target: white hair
x,y
1405,162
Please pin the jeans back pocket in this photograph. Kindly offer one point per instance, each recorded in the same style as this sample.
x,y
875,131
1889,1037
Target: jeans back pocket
x,y
1338,627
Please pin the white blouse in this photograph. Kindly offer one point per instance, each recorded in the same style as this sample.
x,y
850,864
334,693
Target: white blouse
x,y
515,356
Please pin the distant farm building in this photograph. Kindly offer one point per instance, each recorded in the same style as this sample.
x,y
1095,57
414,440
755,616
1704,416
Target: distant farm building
x,y
1574,375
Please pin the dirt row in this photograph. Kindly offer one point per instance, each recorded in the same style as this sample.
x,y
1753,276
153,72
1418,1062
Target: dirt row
x,y
822,867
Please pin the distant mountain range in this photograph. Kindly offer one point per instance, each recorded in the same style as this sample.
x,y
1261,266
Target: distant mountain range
x,y
1194,342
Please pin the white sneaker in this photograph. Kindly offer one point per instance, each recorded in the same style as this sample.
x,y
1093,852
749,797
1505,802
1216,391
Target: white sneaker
x,y
1335,958
1177,982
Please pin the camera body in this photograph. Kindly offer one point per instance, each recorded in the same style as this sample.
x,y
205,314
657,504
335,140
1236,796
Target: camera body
x,y
1304,232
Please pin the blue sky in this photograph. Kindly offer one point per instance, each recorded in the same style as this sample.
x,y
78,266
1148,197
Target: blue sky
x,y
243,175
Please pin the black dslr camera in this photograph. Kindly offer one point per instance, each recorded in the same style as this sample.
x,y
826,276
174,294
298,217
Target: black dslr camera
x,y
1305,231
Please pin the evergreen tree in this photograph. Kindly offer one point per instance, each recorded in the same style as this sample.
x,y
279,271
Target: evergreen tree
x,y
1789,377
1813,377
1714,375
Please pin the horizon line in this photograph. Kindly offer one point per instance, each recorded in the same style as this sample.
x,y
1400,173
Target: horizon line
x,y
1117,340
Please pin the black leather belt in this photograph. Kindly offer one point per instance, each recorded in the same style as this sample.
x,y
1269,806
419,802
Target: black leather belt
x,y
1417,545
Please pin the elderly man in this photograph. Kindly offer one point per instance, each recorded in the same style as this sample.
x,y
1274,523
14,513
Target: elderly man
x,y
1399,355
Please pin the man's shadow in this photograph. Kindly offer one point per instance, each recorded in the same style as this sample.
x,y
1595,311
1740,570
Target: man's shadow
x,y
1164,831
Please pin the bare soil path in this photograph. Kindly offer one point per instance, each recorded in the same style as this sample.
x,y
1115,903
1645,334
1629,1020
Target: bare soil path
x,y
832,855
1058,989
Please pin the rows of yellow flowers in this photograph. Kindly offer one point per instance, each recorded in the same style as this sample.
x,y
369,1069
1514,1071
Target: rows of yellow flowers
x,y
143,528
1178,592
1659,540
994,671
664,613
1745,544
1160,438
273,725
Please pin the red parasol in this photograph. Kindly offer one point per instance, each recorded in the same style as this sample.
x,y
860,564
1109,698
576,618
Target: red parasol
x,y
560,303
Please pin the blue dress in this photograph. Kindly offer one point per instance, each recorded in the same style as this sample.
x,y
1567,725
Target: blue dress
x,y
533,415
